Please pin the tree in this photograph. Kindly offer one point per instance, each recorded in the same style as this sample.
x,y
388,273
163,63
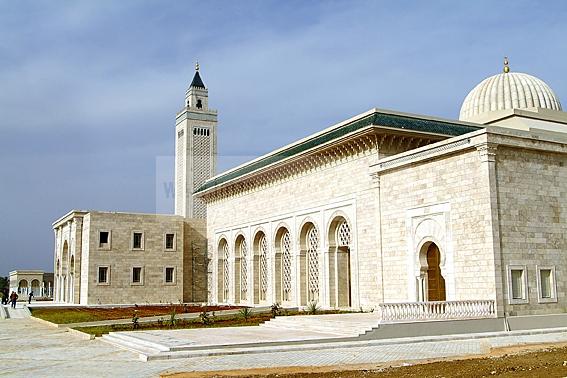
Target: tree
x,y
4,283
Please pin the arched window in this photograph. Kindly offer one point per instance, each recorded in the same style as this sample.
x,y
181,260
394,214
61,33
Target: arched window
x,y
286,265
223,278
263,267
241,268
313,263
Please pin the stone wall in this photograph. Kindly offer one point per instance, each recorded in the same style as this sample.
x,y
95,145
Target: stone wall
x,y
343,188
532,195
445,201
120,257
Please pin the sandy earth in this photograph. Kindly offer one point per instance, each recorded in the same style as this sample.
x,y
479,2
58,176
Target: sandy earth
x,y
543,360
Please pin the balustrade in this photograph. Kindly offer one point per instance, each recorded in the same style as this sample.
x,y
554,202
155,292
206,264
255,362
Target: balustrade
x,y
443,310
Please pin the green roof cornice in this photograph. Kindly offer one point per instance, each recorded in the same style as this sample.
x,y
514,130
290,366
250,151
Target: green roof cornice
x,y
411,123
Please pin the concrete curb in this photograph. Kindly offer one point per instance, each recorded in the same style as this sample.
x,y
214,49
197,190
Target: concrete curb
x,y
54,325
3,312
82,335
336,345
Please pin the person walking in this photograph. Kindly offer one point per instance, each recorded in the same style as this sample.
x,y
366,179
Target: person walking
x,y
30,297
13,299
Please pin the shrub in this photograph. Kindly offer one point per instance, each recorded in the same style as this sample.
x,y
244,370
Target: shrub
x,y
205,318
245,313
135,319
275,309
172,317
312,308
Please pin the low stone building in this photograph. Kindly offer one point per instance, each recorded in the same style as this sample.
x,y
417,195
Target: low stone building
x,y
112,258
37,281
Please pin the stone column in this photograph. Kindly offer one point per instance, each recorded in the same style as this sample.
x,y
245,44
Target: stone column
x,y
487,158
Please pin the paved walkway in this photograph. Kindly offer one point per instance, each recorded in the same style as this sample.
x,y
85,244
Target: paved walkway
x,y
31,348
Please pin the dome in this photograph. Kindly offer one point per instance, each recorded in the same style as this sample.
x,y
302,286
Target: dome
x,y
508,90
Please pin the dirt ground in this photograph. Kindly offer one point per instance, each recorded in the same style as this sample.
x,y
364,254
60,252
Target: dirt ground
x,y
64,315
520,361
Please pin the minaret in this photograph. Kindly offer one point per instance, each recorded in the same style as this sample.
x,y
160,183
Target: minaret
x,y
195,148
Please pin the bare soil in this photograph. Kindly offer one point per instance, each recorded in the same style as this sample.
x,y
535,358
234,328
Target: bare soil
x,y
65,315
543,360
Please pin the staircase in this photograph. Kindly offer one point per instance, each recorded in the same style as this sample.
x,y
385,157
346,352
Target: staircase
x,y
340,325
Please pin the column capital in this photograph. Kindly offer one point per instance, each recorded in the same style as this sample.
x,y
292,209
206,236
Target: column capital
x,y
487,151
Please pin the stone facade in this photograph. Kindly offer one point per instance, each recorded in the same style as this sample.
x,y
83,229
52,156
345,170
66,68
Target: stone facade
x,y
473,196
112,258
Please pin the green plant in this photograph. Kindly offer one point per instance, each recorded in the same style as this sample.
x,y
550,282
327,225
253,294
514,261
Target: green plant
x,y
135,319
172,317
275,309
205,318
245,313
312,308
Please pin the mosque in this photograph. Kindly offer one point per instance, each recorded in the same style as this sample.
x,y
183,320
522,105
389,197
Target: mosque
x,y
404,213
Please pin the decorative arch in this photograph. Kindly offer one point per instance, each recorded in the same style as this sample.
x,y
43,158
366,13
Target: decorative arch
x,y
340,242
223,278
65,255
240,268
23,287
331,224
309,271
260,266
283,268
36,287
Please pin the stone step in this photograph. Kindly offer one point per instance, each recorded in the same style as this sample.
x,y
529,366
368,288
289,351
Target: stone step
x,y
134,343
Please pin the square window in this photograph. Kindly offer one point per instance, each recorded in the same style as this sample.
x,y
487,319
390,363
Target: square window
x,y
103,275
517,284
104,240
137,275
170,241
546,284
169,275
137,240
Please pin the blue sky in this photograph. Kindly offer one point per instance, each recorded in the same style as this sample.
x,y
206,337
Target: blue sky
x,y
89,89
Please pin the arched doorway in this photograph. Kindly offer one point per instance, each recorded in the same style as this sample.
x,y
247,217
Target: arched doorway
x,y
23,287
223,279
36,288
435,280
260,268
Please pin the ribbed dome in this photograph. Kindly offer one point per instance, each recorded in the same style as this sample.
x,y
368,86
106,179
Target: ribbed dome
x,y
511,90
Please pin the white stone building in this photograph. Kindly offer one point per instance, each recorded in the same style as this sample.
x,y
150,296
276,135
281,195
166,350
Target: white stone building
x,y
387,209
113,258
37,281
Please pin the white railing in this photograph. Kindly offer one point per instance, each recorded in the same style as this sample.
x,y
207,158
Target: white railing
x,y
471,309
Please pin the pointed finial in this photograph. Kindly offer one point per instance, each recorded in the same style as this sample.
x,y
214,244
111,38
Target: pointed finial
x,y
506,67
197,66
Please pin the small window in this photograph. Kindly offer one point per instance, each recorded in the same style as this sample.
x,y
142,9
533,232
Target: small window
x,y
103,275
104,239
170,241
137,240
517,284
546,284
137,275
169,275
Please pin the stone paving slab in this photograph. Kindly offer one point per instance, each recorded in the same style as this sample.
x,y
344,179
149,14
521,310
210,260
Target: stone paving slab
x,y
30,348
